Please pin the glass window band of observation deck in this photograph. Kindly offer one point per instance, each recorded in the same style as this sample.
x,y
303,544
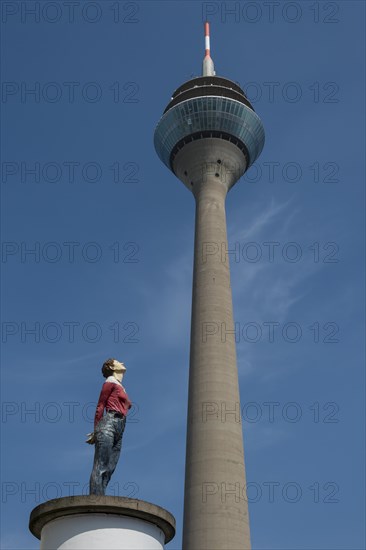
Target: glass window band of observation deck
x,y
213,114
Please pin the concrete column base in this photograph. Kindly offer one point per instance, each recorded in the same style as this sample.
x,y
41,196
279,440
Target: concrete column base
x,y
101,523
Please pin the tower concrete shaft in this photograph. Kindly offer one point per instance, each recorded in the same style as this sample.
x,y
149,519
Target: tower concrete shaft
x,y
215,506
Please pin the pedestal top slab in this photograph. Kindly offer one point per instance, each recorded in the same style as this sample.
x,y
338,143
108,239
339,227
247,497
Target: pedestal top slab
x,y
93,504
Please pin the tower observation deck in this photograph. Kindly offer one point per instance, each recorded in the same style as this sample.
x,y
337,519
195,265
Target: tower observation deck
x,y
208,136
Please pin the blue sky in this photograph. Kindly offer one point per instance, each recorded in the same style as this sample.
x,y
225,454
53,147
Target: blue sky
x,y
112,231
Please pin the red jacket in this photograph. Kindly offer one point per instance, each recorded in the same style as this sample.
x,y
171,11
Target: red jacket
x,y
112,397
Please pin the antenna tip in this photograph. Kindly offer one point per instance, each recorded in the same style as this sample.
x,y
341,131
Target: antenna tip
x,y
208,66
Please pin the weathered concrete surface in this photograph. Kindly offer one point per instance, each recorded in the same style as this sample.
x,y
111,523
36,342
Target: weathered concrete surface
x,y
92,504
215,505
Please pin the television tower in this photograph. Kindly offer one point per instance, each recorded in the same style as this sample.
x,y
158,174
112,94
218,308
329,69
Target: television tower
x,y
208,136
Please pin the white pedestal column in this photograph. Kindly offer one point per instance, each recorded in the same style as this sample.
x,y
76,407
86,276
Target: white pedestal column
x,y
101,523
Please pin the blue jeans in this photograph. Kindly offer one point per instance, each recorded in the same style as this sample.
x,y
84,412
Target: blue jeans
x,y
108,443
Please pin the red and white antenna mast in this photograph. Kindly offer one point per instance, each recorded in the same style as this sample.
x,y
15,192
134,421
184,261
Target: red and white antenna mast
x,y
208,68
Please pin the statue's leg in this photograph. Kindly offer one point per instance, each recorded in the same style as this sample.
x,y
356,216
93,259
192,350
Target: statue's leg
x,y
104,441
120,424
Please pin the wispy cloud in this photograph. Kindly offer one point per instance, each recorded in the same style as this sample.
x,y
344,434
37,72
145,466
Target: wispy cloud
x,y
265,287
260,221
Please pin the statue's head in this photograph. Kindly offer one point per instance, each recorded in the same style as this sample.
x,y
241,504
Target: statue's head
x,y
112,367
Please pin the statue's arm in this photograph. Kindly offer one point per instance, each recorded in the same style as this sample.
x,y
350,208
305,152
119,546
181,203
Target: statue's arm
x,y
103,398
127,399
